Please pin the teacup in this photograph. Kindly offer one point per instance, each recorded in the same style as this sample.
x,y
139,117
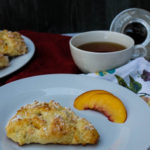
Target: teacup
x,y
89,61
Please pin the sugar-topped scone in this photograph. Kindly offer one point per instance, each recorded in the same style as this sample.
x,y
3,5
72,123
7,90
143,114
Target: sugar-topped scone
x,y
12,44
4,61
44,123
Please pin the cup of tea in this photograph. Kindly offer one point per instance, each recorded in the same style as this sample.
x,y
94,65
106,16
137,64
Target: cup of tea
x,y
96,51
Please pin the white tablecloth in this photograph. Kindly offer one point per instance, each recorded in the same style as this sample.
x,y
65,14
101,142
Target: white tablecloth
x,y
134,75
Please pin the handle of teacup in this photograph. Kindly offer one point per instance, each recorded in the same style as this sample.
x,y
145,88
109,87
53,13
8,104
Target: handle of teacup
x,y
139,51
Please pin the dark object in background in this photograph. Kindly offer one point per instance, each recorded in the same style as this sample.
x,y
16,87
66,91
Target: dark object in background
x,y
137,31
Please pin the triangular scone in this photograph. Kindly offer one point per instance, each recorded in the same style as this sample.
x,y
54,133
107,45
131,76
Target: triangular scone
x,y
50,123
12,43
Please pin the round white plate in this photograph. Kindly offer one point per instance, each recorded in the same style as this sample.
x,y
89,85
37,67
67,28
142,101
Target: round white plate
x,y
134,134
18,62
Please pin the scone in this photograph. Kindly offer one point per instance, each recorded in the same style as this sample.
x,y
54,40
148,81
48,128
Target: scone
x,y
45,123
4,61
12,44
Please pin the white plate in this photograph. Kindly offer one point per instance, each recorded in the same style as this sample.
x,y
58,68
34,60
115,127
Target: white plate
x,y
18,62
134,134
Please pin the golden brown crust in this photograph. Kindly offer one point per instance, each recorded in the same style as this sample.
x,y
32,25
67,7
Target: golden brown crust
x,y
12,44
50,123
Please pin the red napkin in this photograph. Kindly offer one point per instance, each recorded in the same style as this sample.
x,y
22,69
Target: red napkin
x,y
52,55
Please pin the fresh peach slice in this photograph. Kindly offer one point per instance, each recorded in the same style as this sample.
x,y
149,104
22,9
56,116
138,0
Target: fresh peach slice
x,y
106,103
84,97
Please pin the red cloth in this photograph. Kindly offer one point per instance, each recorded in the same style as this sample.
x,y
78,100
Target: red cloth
x,y
52,55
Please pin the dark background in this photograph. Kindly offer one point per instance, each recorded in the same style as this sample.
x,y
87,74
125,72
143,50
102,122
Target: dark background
x,y
63,16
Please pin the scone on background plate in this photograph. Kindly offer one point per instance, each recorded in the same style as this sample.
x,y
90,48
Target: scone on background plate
x,y
45,123
4,61
12,44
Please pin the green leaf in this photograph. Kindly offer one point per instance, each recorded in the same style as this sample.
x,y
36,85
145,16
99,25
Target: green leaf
x,y
134,85
121,81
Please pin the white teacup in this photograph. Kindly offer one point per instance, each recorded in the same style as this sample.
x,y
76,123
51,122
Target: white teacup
x,y
88,61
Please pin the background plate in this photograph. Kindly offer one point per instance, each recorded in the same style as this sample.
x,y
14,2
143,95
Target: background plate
x,y
18,62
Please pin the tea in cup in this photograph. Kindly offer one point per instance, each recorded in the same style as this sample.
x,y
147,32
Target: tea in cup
x,y
96,51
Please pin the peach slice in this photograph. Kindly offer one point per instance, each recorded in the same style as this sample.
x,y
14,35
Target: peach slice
x,y
81,99
104,102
